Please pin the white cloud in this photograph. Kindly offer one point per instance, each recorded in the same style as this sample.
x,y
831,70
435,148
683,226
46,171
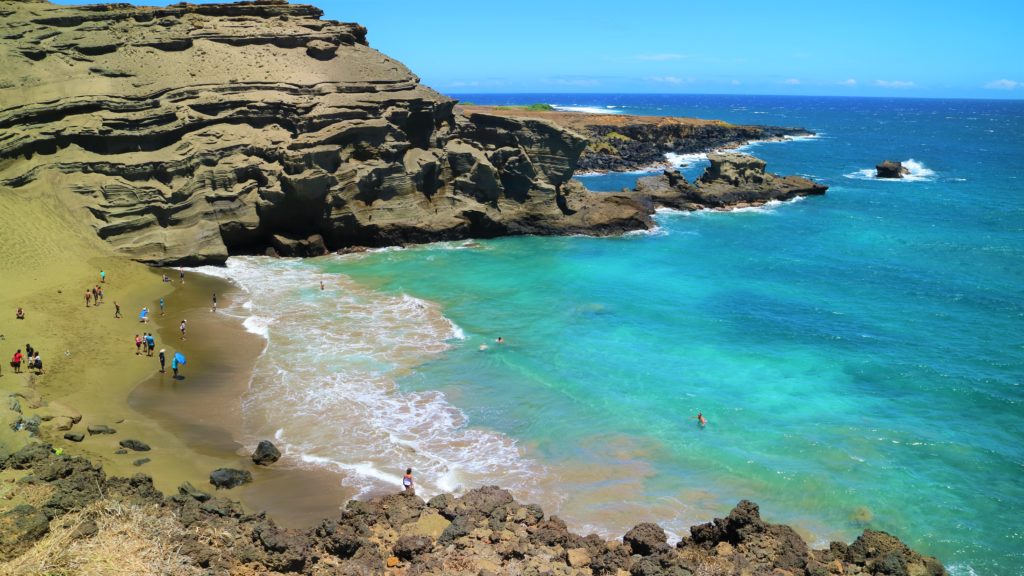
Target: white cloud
x,y
791,81
1004,84
659,57
665,79
848,82
894,84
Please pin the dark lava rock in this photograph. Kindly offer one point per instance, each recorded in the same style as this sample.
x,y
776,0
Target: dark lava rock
x,y
890,169
141,461
409,547
646,538
229,477
121,451
136,445
187,489
266,453
74,436
20,527
94,429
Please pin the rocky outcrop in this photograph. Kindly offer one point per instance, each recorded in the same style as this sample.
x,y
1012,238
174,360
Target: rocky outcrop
x,y
619,142
484,531
731,181
186,133
891,169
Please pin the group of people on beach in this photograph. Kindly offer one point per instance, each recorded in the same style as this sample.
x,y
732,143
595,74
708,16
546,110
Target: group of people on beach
x,y
94,296
145,344
31,360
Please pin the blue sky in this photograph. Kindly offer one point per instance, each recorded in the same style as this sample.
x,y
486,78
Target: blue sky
x,y
870,48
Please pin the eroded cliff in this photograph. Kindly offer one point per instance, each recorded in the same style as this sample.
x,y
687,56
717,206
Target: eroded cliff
x,y
186,133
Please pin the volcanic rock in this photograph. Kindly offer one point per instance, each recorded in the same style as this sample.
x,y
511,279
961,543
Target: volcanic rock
x,y
266,453
890,169
135,445
229,477
94,429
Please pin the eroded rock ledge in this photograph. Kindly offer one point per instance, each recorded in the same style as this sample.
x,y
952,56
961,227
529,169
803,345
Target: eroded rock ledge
x,y
731,181
187,133
484,531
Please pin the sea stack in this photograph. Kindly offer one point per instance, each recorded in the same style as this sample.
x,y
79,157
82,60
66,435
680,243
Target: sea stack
x,y
890,169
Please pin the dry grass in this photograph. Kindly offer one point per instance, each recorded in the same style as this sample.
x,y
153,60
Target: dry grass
x,y
132,539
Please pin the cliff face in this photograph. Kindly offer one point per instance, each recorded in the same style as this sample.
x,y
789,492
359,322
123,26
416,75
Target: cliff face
x,y
185,133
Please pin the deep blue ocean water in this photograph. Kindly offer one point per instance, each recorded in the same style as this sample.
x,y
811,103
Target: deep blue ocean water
x,y
859,356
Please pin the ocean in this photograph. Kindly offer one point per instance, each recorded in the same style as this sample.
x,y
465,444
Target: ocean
x,y
859,356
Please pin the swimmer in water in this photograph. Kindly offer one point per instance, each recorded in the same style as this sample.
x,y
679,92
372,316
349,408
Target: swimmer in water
x,y
701,420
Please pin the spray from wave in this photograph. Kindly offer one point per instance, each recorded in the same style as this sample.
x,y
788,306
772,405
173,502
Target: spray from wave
x,y
918,173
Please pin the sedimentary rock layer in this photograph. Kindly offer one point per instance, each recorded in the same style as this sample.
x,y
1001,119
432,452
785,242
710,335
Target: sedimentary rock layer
x,y
186,133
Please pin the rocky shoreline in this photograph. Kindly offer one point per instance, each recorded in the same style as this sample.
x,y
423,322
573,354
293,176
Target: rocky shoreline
x,y
625,143
70,502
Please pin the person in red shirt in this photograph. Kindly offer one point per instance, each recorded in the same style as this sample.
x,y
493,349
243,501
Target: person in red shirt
x,y
16,361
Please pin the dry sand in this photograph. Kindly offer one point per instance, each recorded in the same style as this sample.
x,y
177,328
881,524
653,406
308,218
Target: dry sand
x,y
47,261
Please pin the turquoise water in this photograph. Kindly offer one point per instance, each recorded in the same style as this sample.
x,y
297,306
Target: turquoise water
x,y
859,356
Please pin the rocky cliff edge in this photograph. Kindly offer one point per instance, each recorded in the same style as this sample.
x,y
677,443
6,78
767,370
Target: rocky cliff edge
x,y
187,133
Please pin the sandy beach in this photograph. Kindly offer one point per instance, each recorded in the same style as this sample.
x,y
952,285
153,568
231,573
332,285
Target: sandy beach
x,y
193,424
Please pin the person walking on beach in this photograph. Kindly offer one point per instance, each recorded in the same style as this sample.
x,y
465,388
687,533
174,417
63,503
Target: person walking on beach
x,y
103,277
161,306
88,297
16,361
163,359
214,309
182,328
117,309
99,295
37,363
150,343
95,296
138,345
407,482
181,274
174,366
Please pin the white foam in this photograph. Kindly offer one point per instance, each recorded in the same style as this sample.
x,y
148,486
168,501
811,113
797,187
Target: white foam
x,y
680,160
918,173
326,382
585,109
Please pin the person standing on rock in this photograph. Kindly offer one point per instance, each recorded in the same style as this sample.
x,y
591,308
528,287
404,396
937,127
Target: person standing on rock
x,y
407,482
163,359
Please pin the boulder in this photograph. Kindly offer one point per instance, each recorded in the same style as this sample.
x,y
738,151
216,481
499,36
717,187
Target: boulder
x,y
409,547
266,453
94,429
229,478
141,461
136,445
187,489
646,539
74,436
890,169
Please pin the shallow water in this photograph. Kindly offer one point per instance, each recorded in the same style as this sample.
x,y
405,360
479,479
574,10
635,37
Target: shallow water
x,y
859,356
